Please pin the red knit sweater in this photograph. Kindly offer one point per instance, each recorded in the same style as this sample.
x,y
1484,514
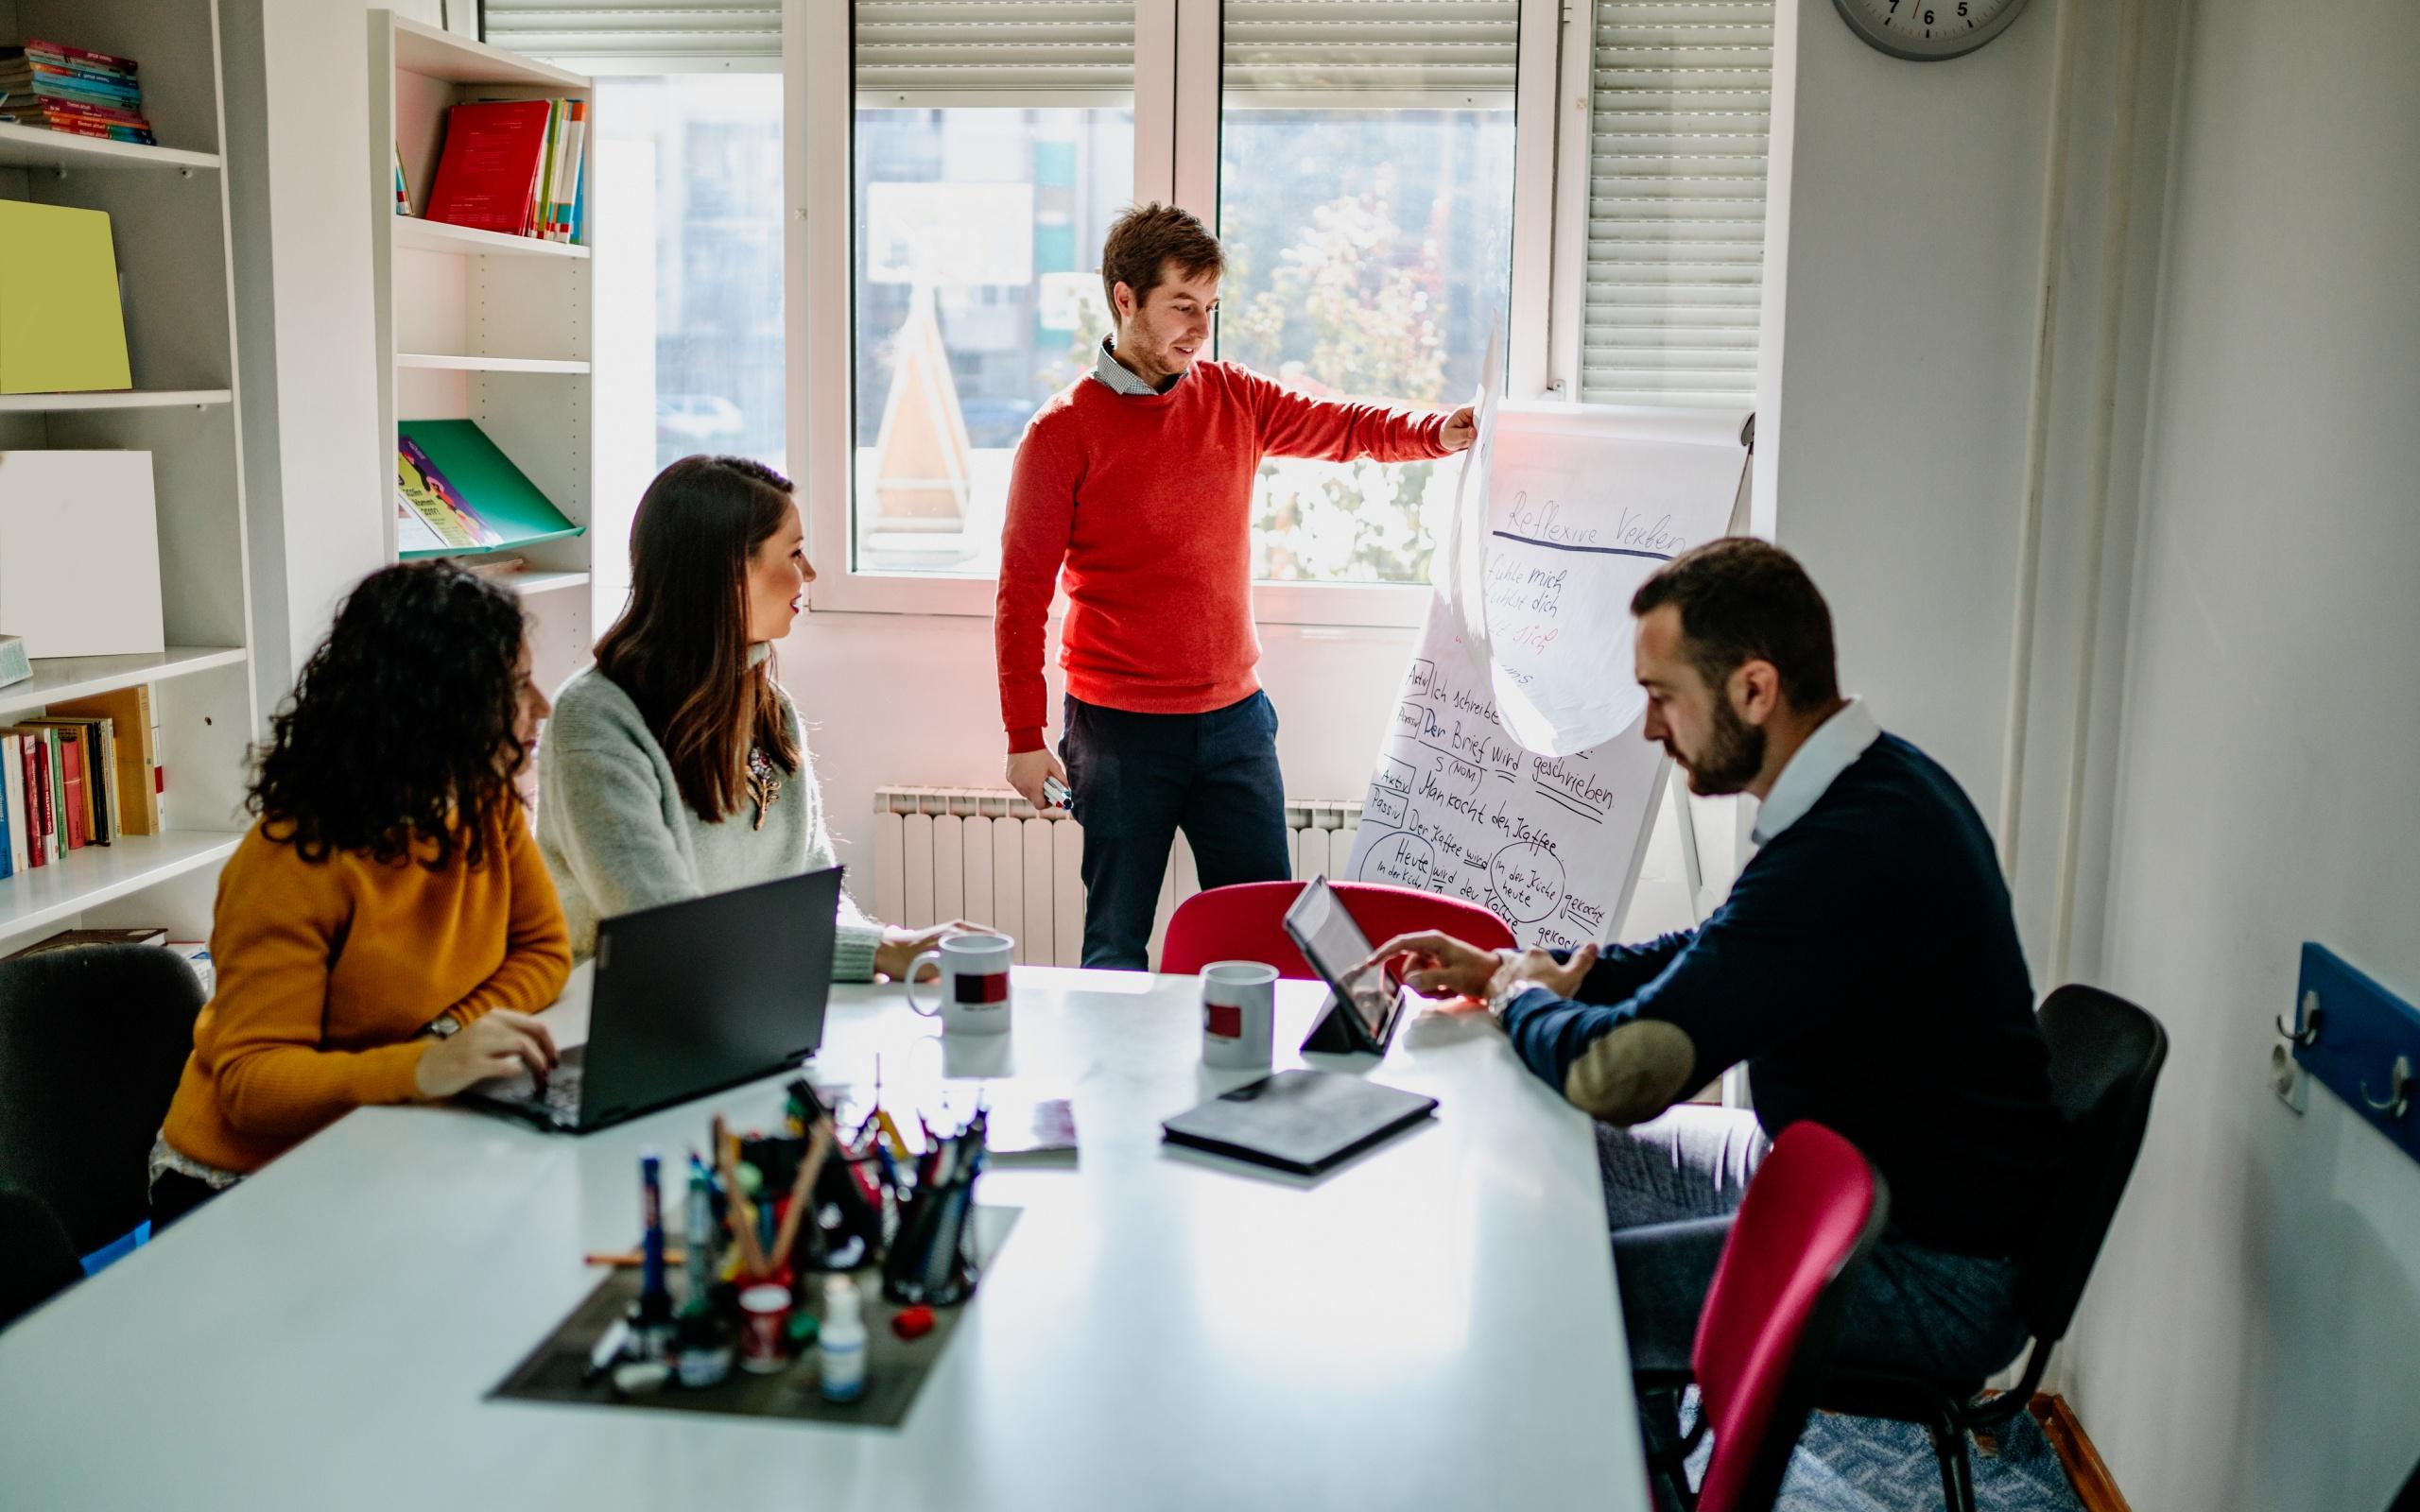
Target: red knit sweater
x,y
1145,502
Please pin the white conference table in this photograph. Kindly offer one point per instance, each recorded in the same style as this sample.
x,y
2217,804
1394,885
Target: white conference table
x,y
1433,1325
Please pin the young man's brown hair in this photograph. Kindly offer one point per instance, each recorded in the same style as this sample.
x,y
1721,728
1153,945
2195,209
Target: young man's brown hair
x,y
1145,239
1740,597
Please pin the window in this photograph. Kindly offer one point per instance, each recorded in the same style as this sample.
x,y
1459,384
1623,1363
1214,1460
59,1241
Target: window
x,y
1359,156
1675,240
993,145
708,214
1366,204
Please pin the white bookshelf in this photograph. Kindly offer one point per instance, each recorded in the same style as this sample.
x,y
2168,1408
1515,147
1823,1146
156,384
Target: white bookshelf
x,y
481,326
168,213
118,399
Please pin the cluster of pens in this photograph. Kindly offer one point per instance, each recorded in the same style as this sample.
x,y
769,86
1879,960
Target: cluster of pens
x,y
930,1260
767,1210
747,1287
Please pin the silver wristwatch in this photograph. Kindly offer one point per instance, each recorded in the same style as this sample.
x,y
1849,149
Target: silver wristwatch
x,y
442,1027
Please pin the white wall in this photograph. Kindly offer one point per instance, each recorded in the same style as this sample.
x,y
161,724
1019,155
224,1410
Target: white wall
x,y
2253,1337
1908,318
298,123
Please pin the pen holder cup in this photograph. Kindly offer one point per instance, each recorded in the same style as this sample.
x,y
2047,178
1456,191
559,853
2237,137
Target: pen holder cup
x,y
931,1258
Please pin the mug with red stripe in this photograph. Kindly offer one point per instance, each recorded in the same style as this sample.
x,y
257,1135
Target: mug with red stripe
x,y
1239,1012
974,982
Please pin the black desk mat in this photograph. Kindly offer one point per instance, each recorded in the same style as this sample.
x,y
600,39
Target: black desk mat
x,y
895,1368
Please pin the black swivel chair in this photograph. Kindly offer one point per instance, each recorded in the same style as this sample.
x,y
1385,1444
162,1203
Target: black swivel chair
x,y
36,1261
2105,1056
92,1039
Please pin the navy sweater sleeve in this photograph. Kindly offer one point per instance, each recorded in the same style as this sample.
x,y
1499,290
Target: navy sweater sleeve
x,y
1735,984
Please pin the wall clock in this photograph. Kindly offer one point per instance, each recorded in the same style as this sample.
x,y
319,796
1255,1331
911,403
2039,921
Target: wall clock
x,y
1928,30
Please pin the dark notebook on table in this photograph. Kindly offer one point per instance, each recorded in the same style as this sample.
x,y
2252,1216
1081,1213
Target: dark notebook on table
x,y
1301,1120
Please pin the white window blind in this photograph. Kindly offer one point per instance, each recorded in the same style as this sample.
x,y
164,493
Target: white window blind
x,y
1038,52
667,32
1446,54
1678,99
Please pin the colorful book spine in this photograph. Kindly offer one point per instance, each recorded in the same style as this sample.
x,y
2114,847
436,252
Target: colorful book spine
x,y
77,811
45,797
9,865
12,797
22,793
64,52
567,170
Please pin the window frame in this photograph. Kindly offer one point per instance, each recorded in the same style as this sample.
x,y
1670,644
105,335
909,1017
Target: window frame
x,y
1177,108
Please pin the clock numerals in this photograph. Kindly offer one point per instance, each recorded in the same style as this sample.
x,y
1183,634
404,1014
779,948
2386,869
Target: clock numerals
x,y
1928,30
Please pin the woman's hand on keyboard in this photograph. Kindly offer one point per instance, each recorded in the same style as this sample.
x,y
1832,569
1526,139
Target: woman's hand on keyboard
x,y
493,1044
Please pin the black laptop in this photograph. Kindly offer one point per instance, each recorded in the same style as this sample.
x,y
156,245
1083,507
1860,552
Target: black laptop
x,y
688,999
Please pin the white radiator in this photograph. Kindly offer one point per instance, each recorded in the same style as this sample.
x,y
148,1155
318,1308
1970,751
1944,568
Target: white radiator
x,y
942,853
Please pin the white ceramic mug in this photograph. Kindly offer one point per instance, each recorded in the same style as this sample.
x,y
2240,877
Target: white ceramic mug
x,y
1238,1013
974,982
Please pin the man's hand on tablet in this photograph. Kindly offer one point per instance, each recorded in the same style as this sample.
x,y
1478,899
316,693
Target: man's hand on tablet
x,y
1439,966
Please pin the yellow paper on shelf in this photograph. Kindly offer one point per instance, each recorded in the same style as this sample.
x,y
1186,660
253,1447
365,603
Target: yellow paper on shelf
x,y
61,330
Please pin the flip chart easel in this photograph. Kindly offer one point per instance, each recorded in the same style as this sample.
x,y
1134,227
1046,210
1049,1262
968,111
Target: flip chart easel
x,y
1512,773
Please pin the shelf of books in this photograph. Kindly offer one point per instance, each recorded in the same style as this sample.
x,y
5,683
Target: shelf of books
x,y
480,203
124,728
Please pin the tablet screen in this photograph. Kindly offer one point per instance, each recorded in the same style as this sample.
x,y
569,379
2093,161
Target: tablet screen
x,y
1334,945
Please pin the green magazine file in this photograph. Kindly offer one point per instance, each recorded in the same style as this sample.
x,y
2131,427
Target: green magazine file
x,y
487,482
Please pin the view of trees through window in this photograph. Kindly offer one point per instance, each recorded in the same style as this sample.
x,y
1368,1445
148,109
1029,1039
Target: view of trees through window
x,y
1368,251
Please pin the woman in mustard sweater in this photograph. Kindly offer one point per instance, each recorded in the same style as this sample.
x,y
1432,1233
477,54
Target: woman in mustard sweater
x,y
385,930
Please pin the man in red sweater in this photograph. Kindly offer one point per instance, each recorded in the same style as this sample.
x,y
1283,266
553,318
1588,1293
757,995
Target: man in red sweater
x,y
1135,483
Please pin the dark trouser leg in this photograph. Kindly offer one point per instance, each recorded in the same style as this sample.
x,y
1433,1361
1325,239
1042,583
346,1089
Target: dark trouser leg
x,y
1234,817
1671,1185
1131,774
174,1194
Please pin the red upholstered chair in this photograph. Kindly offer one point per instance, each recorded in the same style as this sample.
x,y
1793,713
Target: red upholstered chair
x,y
1245,924
1764,1344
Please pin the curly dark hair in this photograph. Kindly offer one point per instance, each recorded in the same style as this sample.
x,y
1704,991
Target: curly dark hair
x,y
399,734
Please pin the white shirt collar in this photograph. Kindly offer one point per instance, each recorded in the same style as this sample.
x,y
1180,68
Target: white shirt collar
x,y
1831,749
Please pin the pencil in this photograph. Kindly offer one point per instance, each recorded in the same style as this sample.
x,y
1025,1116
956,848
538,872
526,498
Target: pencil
x,y
810,1165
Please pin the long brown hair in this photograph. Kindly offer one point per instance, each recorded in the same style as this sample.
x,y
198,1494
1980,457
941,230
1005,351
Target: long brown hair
x,y
679,649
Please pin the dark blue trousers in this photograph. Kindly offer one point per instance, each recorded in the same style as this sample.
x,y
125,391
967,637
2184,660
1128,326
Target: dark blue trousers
x,y
1138,779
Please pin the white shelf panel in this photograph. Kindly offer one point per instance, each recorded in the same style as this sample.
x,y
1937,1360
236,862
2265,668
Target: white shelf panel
x,y
415,234
57,678
424,49
475,364
31,147
118,399
527,583
91,877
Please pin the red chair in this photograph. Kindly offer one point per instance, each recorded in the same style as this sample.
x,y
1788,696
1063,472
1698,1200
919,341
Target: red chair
x,y
1245,922
1764,1344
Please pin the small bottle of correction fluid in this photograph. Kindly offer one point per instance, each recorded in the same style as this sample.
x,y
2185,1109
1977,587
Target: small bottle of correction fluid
x,y
840,1344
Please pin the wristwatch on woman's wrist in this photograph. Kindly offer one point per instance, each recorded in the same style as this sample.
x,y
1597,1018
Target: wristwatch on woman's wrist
x,y
443,1026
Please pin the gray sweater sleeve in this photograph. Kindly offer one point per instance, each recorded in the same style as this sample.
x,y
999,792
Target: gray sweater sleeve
x,y
856,935
613,835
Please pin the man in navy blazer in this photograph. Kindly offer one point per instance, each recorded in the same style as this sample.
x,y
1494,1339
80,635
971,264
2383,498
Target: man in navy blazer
x,y
1865,967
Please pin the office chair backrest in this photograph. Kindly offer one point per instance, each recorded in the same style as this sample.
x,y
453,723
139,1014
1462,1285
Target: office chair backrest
x,y
1814,1210
1245,922
2105,1056
36,1263
92,1039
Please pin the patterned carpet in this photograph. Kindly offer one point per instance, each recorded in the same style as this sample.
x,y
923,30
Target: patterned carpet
x,y
1867,1465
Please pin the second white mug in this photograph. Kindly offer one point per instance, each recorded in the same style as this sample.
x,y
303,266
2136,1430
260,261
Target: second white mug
x,y
1239,1014
974,982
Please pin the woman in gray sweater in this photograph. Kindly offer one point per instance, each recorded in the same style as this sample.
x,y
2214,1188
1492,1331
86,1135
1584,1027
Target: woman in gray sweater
x,y
676,765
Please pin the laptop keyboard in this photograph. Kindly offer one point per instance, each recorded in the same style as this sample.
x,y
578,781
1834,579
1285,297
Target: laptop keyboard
x,y
560,1097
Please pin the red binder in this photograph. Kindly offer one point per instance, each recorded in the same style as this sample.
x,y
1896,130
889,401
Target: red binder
x,y
489,170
